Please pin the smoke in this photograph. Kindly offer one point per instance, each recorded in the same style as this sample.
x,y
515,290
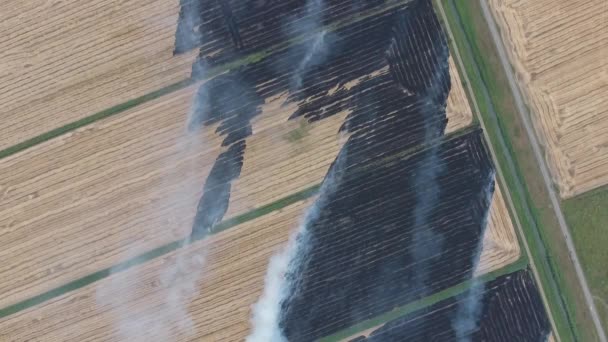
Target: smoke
x,y
317,48
267,311
426,244
316,52
179,277
139,319
188,35
282,277
135,317
466,319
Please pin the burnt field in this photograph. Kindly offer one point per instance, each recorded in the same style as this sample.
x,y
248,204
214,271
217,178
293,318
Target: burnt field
x,y
394,89
380,242
407,216
228,29
511,309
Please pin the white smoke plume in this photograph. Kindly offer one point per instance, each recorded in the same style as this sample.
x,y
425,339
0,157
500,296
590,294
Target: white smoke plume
x,y
316,54
466,319
136,318
179,278
281,279
426,244
139,321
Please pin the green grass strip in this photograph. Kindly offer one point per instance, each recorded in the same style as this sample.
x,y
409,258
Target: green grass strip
x,y
422,303
587,216
90,119
155,253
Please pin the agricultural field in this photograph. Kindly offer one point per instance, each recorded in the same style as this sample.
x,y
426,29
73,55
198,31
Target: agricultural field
x,y
365,125
62,61
587,217
512,310
90,169
558,50
231,284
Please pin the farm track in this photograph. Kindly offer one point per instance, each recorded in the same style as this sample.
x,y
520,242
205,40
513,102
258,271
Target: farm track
x,y
54,74
559,52
234,28
545,169
43,189
457,100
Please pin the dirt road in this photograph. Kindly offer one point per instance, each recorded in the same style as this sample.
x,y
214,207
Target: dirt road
x,y
525,117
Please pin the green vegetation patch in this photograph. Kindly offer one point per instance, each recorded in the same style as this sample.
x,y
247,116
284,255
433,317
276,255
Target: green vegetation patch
x,y
299,132
587,217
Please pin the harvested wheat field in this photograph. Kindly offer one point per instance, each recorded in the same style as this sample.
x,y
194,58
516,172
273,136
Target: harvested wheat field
x,y
559,49
500,245
458,110
63,61
276,164
43,197
376,113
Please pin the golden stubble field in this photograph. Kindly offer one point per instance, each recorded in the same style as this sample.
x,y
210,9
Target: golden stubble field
x,y
61,61
559,50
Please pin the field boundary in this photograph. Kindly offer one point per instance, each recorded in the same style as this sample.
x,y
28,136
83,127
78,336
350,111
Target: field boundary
x,y
422,303
501,177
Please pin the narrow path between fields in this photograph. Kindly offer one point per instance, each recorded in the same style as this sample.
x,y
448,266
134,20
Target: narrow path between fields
x,y
525,117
